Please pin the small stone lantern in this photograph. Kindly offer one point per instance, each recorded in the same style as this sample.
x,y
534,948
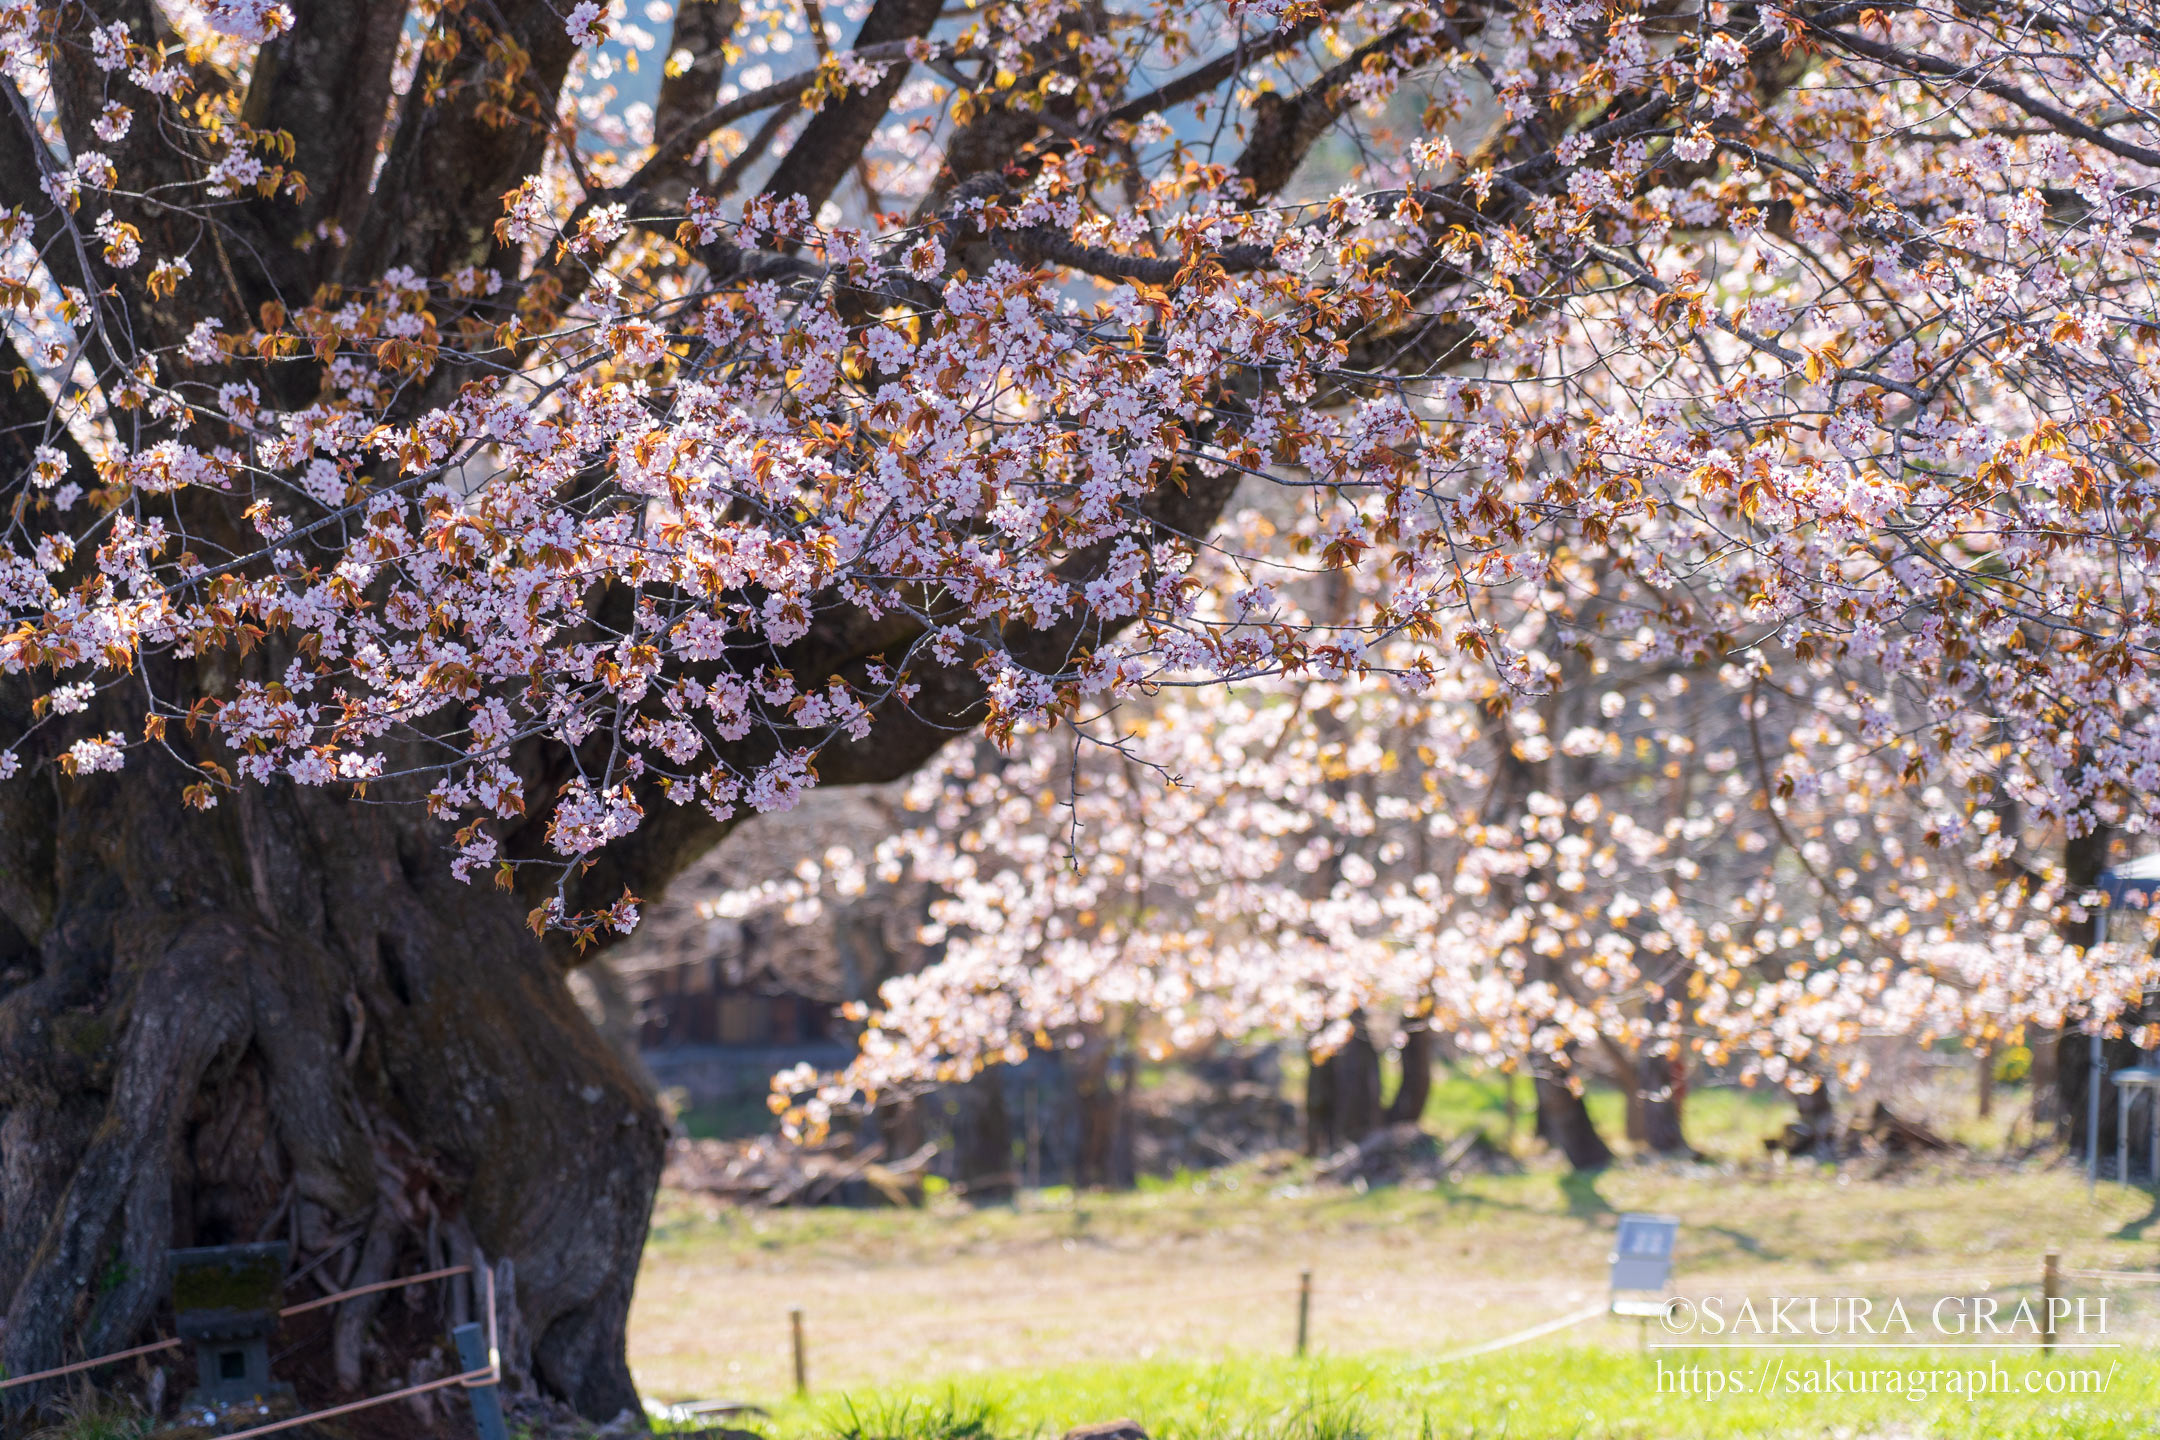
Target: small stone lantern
x,y
226,1299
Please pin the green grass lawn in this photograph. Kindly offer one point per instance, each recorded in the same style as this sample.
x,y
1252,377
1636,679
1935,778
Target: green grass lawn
x,y
1548,1393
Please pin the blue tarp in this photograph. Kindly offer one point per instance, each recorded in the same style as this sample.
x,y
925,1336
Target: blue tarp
x,y
2137,879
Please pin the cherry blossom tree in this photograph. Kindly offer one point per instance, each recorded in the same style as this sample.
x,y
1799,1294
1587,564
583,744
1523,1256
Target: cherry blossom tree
x,y
448,486
1622,878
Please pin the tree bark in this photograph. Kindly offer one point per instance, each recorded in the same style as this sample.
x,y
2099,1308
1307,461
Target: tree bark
x,y
1817,1131
1099,1106
983,1141
284,1019
2043,1078
1342,1094
2084,858
1661,1086
1564,1121
1414,1089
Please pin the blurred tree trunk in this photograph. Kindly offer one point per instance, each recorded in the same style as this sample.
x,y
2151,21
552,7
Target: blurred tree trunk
x,y
1564,1121
983,1141
1660,1072
2043,1077
2084,858
1661,1087
1342,1093
1125,1169
1099,1100
899,1125
1415,1087
1816,1132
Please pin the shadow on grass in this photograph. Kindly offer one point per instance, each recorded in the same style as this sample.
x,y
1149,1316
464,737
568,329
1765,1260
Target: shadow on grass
x,y
1580,1187
1745,1243
2135,1229
1584,1202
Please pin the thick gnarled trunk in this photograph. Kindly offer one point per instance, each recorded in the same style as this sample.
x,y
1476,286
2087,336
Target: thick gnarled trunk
x,y
284,1019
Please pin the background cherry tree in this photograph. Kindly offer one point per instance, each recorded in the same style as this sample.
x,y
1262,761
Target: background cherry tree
x,y
453,474
1621,871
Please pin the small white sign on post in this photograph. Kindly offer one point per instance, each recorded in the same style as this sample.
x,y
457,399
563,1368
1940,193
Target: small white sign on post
x,y
1642,1263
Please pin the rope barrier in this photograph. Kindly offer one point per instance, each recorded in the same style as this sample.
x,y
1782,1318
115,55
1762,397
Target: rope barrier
x,y
485,1375
86,1364
1709,1284
1008,1317
1352,1291
306,1305
470,1378
378,1285
1568,1321
2148,1277
1713,1284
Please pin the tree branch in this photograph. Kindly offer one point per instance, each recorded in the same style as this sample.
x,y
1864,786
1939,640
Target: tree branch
x,y
835,137
1284,131
458,146
702,28
2064,122
325,82
1044,243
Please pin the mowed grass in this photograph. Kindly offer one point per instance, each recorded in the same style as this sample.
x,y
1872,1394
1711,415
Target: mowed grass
x,y
1550,1393
1202,1274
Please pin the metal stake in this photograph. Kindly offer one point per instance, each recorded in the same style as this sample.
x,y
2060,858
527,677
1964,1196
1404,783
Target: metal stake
x,y
486,1396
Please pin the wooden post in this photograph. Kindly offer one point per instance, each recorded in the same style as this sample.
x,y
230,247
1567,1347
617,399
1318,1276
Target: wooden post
x,y
2050,1287
1304,1309
472,1354
802,1363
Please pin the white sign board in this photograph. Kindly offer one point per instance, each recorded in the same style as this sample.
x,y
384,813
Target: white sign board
x,y
1643,1252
